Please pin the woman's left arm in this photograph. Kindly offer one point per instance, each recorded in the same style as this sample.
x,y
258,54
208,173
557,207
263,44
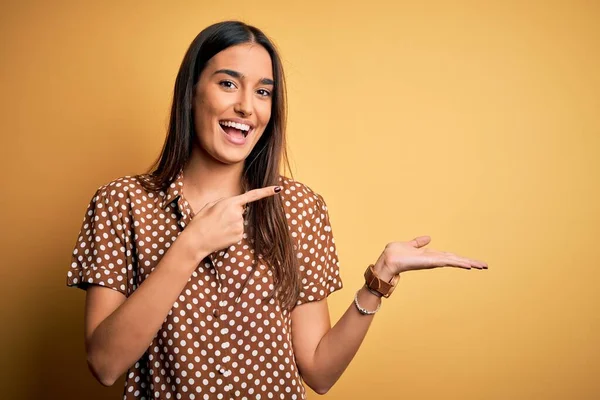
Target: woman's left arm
x,y
323,352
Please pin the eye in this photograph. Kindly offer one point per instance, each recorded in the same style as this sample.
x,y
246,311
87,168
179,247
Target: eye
x,y
227,84
263,92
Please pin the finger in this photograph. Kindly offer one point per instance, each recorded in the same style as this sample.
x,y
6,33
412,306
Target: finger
x,y
456,262
477,264
420,241
474,263
256,194
210,204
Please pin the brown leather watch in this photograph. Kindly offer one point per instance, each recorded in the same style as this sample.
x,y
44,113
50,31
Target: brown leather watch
x,y
374,283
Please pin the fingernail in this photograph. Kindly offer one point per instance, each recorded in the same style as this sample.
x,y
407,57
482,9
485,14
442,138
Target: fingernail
x,y
278,189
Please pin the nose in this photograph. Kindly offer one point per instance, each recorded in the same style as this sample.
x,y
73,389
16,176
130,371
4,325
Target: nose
x,y
244,104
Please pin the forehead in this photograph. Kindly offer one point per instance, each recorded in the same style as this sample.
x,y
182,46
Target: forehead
x,y
250,59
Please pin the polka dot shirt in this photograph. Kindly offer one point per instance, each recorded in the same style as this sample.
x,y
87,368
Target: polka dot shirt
x,y
223,338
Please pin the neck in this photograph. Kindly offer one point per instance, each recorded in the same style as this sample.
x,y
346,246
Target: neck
x,y
206,179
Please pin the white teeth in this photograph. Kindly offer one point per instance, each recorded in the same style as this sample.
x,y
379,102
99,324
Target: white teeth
x,y
241,127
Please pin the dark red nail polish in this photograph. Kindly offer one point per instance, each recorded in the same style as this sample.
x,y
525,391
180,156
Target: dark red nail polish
x,y
278,189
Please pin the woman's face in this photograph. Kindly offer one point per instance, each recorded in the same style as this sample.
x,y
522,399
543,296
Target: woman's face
x,y
232,102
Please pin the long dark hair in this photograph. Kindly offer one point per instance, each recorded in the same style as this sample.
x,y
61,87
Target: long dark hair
x,y
269,233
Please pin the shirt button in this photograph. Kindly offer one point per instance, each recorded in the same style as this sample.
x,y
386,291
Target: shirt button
x,y
216,313
222,371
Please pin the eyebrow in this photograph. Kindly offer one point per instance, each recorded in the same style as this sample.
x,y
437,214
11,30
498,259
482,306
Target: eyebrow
x,y
238,75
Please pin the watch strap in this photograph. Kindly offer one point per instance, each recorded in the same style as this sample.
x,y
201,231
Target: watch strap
x,y
374,283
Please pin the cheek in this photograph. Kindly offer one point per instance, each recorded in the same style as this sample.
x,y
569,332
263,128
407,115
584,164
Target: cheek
x,y
201,108
264,113
206,109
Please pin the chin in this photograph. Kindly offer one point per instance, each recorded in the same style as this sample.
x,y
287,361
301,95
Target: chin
x,y
230,156
224,152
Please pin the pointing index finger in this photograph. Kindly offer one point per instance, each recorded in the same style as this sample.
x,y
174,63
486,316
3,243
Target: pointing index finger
x,y
257,194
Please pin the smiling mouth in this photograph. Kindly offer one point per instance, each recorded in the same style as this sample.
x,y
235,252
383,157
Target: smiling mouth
x,y
235,129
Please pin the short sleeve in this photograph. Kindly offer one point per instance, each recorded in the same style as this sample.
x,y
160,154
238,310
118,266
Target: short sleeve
x,y
99,257
317,256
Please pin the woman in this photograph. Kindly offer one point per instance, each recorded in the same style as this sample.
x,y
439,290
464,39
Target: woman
x,y
208,277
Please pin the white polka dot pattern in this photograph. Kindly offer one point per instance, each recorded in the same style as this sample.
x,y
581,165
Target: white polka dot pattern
x,y
223,338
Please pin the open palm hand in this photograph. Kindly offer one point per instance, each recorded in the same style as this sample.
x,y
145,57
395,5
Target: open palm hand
x,y
400,257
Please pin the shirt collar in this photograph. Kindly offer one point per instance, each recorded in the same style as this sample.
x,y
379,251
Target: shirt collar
x,y
173,192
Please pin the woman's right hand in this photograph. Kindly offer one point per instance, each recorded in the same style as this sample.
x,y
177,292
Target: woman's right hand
x,y
220,223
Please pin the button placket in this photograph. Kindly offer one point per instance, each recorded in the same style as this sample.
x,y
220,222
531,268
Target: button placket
x,y
219,305
221,316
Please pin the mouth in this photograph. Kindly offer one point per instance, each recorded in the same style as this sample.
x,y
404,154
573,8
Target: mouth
x,y
236,129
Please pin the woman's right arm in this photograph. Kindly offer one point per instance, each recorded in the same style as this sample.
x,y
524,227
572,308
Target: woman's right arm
x,y
118,330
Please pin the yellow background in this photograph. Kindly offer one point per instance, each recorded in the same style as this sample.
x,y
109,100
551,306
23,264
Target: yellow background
x,y
474,122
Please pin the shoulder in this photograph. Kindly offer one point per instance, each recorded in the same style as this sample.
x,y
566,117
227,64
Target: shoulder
x,y
125,186
125,192
298,191
299,198
128,186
